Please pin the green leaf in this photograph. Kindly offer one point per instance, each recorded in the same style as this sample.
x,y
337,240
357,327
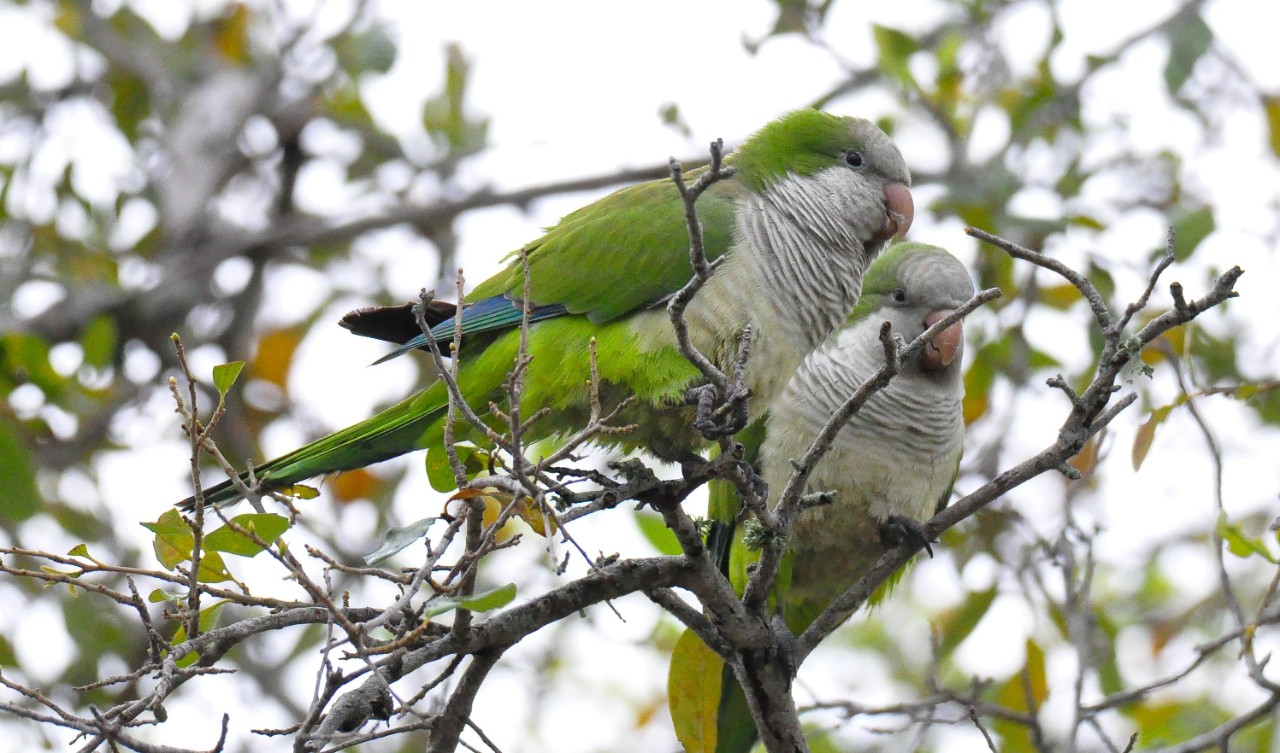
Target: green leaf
x,y
99,341
959,623
1102,280
27,358
1188,41
267,526
669,114
694,685
208,621
79,550
160,595
7,656
495,599
397,539
657,533
1189,230
213,569
173,541
475,461
19,495
1239,544
896,49
1038,360
371,50
130,104
439,473
793,17
1108,670
224,375
481,602
173,545
444,116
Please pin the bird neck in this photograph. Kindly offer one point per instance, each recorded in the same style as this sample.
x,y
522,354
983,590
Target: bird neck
x,y
920,407
794,274
806,254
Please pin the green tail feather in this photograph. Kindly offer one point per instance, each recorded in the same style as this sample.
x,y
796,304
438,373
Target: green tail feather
x,y
404,427
736,729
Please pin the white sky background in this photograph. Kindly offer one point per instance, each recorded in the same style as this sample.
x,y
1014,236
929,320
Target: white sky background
x,y
573,89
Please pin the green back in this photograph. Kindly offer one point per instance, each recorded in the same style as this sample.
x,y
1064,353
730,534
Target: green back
x,y
630,249
619,254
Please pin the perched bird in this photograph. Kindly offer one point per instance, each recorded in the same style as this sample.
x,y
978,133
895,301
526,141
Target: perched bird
x,y
891,467
813,200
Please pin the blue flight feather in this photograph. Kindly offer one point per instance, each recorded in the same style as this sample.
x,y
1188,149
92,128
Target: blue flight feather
x,y
488,315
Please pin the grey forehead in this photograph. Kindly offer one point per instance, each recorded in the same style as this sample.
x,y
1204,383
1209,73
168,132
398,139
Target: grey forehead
x,y
936,277
882,151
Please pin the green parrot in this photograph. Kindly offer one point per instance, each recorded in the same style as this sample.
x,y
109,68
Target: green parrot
x,y
891,467
813,200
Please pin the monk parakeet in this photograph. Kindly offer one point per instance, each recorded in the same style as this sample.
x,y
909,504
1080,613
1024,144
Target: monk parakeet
x,y
893,464
813,200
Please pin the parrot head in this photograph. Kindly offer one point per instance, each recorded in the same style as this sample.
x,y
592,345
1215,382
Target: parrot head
x,y
913,286
856,162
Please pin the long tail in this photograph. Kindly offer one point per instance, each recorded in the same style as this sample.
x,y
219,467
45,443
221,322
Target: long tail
x,y
395,431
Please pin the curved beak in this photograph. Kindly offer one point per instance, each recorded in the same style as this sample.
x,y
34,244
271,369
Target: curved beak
x,y
900,210
941,351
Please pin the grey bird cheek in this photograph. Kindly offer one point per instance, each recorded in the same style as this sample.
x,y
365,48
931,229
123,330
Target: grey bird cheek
x,y
855,201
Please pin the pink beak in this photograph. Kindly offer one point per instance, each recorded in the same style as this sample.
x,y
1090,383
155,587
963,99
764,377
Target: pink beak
x,y
941,351
900,210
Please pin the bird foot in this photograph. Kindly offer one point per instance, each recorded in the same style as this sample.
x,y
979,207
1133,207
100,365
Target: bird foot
x,y
758,484
718,417
899,529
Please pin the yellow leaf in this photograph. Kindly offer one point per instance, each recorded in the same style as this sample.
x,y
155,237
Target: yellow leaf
x,y
1142,442
1273,122
646,711
1087,458
975,407
231,35
1176,339
693,693
1060,297
532,514
67,20
492,509
274,356
1147,434
494,503
1037,684
353,485
299,491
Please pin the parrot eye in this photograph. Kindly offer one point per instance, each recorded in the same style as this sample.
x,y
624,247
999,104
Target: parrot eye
x,y
855,160
899,295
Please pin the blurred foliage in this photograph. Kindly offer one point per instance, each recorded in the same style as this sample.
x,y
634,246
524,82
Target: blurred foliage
x,y
216,126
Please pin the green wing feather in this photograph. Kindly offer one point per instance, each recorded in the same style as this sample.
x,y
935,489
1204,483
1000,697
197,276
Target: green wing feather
x,y
389,434
624,252
557,383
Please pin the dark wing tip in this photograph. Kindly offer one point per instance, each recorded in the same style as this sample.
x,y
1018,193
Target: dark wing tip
x,y
395,324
